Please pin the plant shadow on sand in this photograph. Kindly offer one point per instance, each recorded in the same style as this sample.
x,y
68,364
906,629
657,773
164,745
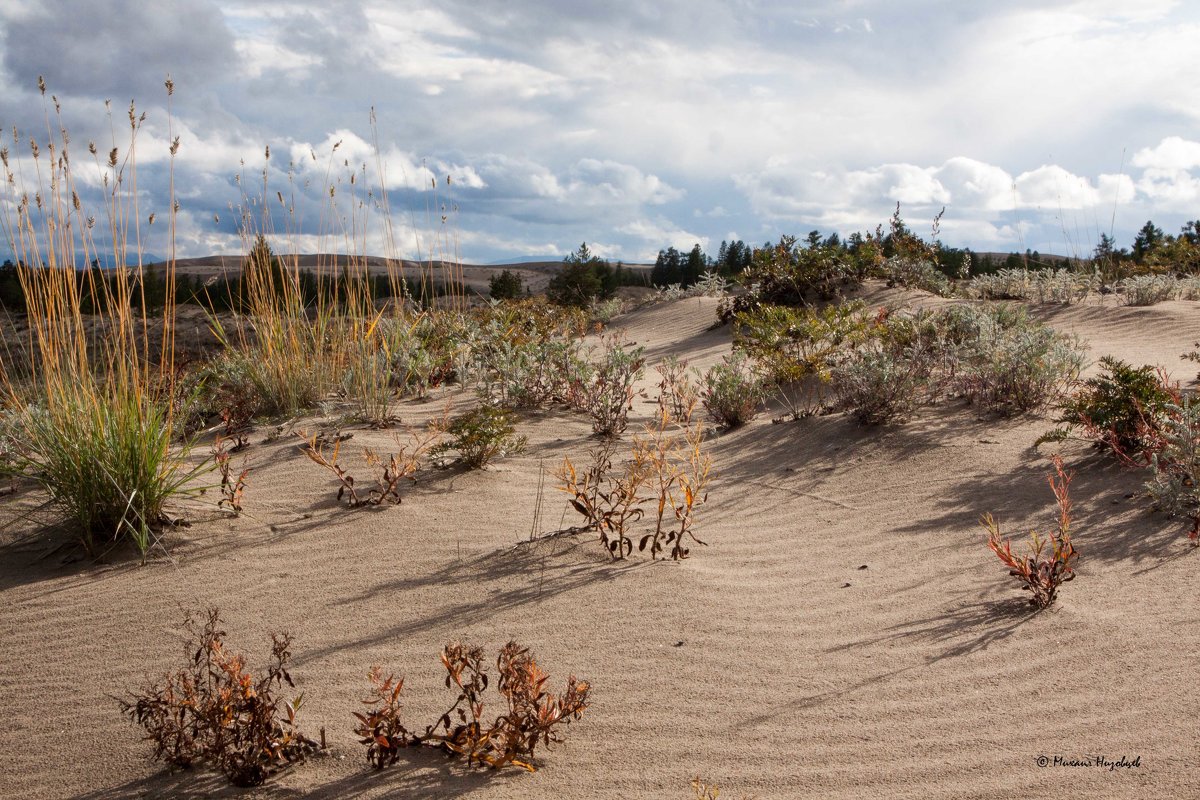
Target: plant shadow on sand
x,y
825,458
44,548
831,444
961,631
498,582
420,772
815,457
1112,522
47,550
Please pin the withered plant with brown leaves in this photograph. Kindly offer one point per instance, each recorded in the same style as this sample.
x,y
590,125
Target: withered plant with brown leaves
x,y
1039,571
380,728
314,448
216,711
668,469
609,501
703,790
680,469
531,715
387,474
232,487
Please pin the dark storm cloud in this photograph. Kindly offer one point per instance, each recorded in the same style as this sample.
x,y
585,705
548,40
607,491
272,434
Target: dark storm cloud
x,y
120,49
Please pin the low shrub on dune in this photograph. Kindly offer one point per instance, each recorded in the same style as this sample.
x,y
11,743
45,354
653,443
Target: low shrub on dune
x,y
730,392
1174,463
479,436
1119,410
215,711
606,393
1014,364
1148,290
883,370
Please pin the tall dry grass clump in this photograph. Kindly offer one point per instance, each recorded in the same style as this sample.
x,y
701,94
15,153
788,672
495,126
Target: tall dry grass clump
x,y
300,335
91,392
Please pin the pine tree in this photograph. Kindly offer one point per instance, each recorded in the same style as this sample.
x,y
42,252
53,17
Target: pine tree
x,y
1148,239
694,266
505,286
580,281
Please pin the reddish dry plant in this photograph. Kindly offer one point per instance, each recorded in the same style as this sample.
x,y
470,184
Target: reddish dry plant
x,y
668,469
236,414
380,727
214,710
609,503
531,717
314,448
388,476
232,488
681,468
399,466
703,790
1041,573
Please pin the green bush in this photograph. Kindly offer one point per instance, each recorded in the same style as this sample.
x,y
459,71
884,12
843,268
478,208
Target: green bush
x,y
532,374
603,312
1059,286
795,349
274,380
481,435
788,274
527,355
731,394
996,357
1148,290
1118,410
917,274
607,392
1193,355
880,384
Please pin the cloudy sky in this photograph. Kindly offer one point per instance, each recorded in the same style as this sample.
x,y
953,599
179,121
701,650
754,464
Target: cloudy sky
x,y
630,124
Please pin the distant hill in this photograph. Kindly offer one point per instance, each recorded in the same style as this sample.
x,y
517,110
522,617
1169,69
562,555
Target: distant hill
x,y
525,260
534,271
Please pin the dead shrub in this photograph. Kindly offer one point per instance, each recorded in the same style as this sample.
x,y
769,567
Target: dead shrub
x,y
232,487
387,474
214,710
530,715
609,502
667,469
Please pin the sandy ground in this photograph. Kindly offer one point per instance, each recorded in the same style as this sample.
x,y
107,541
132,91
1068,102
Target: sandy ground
x,y
846,633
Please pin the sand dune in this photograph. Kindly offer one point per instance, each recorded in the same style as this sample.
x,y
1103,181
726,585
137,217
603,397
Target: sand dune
x,y
846,633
